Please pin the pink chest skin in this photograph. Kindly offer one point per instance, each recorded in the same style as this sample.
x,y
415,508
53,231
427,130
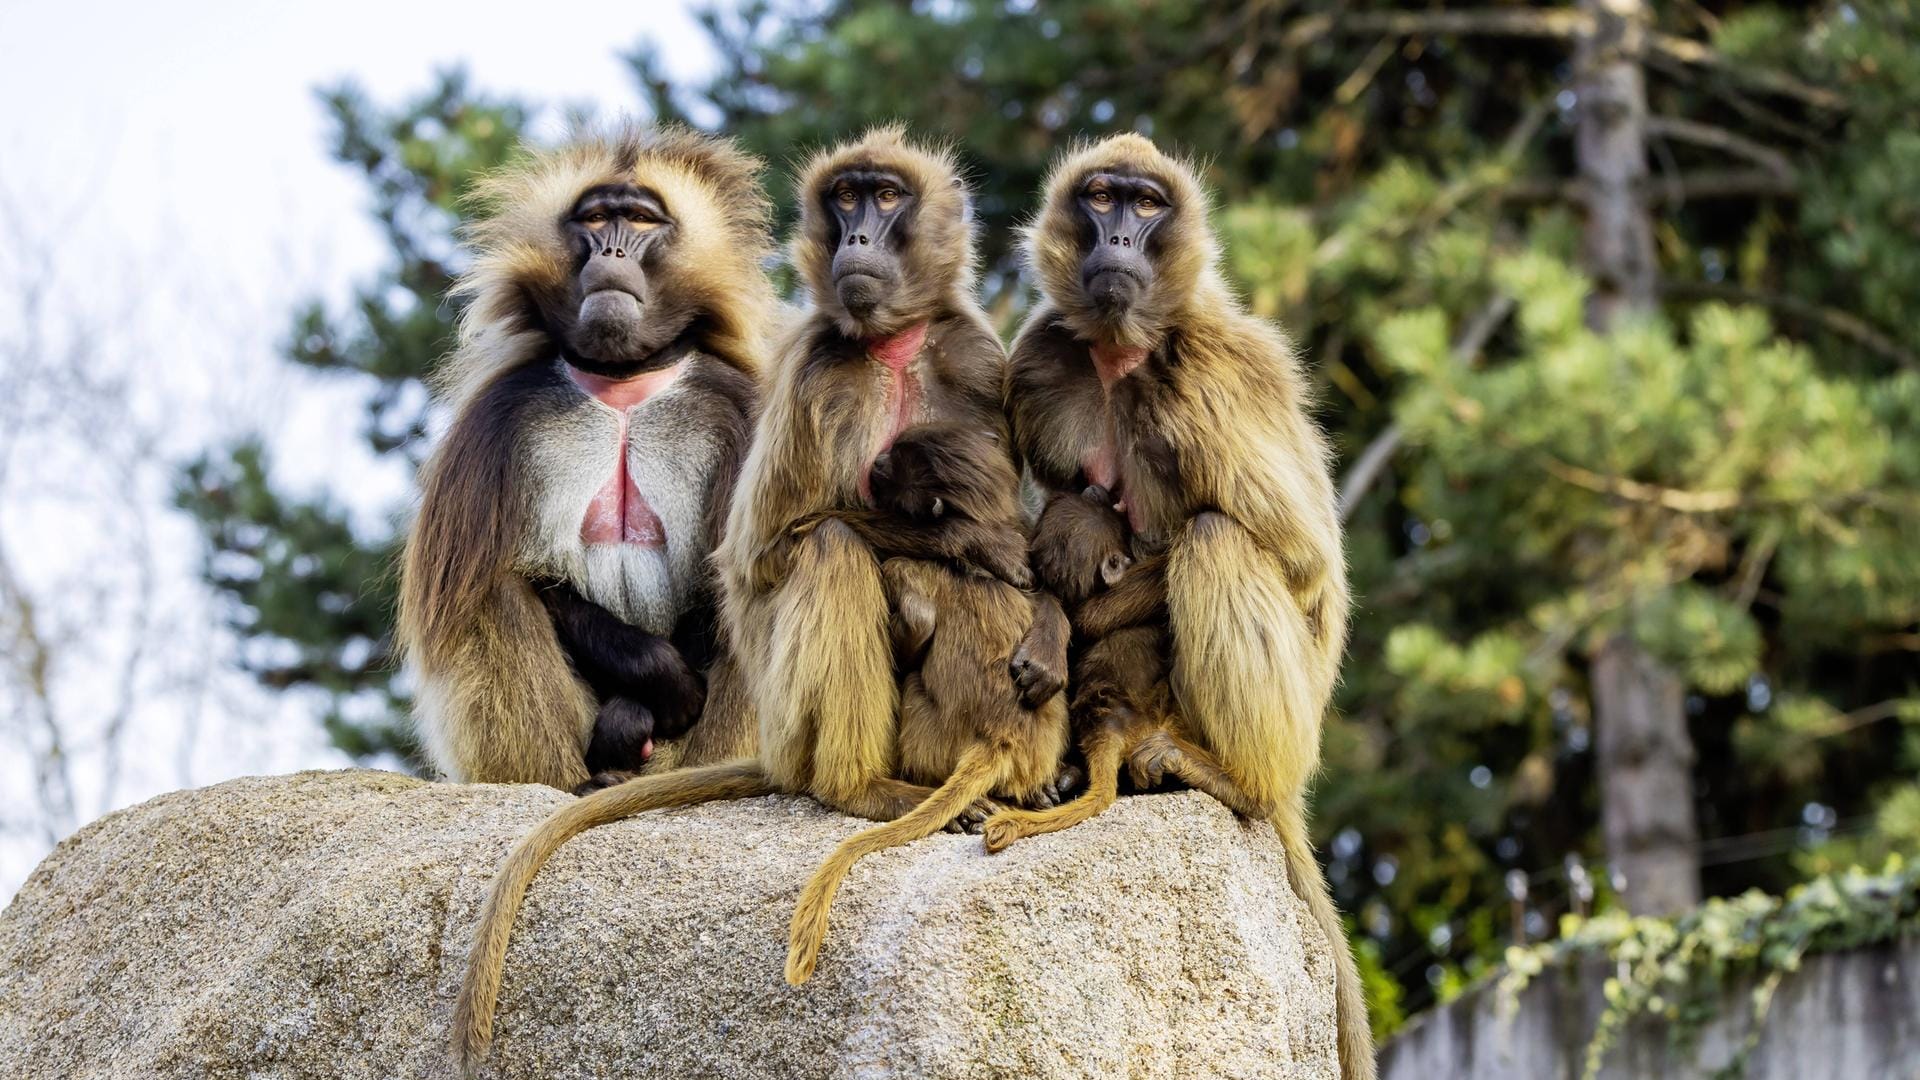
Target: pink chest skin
x,y
1101,462
618,513
903,393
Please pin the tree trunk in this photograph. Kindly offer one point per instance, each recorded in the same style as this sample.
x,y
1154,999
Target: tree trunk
x,y
1646,779
1645,752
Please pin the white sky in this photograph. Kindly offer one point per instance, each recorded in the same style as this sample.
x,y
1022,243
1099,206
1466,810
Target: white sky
x,y
172,159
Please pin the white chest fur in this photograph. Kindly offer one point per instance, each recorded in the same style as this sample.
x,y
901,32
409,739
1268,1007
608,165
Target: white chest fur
x,y
643,575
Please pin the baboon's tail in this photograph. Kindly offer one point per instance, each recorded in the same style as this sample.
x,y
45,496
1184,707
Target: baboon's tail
x,y
975,776
480,990
1350,1003
1104,752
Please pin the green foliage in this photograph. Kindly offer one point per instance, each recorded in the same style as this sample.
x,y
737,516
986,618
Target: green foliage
x,y
1732,480
313,598
1680,970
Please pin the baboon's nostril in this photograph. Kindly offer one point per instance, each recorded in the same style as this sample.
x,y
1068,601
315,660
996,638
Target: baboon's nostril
x,y
619,253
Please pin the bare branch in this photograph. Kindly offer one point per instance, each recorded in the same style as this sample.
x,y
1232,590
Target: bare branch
x,y
1840,323
1700,184
1373,461
1717,138
1686,502
1555,23
1523,22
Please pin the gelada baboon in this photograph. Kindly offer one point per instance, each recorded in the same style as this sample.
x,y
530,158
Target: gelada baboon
x,y
979,717
1142,373
895,338
556,604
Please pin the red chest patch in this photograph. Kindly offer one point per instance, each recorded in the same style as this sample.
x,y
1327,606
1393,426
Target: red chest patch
x,y
1101,462
618,513
894,353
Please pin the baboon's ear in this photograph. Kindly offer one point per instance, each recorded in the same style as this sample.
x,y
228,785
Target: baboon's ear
x,y
1113,568
939,506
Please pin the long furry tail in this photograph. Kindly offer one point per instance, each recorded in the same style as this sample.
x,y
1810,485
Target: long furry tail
x,y
973,778
1350,1002
1103,787
480,990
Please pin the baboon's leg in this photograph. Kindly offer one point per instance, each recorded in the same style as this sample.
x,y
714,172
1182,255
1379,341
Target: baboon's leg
x,y
1104,748
828,702
1164,753
1039,665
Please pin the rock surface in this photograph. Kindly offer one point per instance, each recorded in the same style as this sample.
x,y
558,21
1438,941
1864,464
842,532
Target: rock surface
x,y
316,926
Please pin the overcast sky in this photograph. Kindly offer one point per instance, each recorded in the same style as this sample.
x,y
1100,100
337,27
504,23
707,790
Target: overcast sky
x,y
170,161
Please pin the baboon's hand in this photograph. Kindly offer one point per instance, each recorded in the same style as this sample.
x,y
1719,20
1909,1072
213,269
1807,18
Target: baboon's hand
x,y
1003,554
1034,675
622,736
601,780
1152,761
974,818
673,691
1065,786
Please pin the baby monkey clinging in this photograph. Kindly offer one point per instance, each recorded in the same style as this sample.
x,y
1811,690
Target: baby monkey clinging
x,y
980,715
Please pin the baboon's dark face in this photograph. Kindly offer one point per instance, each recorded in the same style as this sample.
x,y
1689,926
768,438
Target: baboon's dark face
x,y
621,313
872,213
1120,213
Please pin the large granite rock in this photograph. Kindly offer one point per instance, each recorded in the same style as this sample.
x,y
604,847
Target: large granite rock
x,y
316,926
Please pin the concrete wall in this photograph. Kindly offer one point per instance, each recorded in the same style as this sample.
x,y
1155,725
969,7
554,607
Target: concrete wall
x,y
1843,1016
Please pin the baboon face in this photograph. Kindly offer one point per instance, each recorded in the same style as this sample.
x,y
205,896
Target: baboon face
x,y
871,209
1120,212
935,471
620,312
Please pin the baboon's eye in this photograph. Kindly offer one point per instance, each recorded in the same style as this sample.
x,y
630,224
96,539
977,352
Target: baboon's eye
x,y
1147,206
595,218
846,198
1101,200
642,220
887,197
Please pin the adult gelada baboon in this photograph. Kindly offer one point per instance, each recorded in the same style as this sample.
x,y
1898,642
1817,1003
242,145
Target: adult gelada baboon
x,y
556,603
895,338
1142,373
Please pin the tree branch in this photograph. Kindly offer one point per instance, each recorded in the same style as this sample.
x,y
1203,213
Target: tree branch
x,y
1559,23
1686,502
1840,323
1717,138
1701,184
1374,459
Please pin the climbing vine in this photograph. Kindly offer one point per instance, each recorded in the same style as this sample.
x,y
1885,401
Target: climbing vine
x,y
1679,970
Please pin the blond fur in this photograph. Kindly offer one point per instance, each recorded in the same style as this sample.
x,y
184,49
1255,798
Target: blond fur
x,y
499,702
1257,592
961,725
710,184
807,614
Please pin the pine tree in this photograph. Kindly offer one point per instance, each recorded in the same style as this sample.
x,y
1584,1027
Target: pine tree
x,y
1622,393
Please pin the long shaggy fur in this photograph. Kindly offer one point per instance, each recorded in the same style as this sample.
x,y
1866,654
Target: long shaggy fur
x,y
939,275
1221,462
806,615
711,185
499,701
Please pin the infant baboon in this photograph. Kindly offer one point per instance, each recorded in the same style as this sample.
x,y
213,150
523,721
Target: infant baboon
x,y
978,715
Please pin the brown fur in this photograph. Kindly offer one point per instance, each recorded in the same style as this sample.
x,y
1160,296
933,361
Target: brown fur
x,y
504,704
963,723
1221,464
803,598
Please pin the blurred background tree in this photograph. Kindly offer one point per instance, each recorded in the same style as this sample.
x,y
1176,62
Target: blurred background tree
x,y
1605,307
